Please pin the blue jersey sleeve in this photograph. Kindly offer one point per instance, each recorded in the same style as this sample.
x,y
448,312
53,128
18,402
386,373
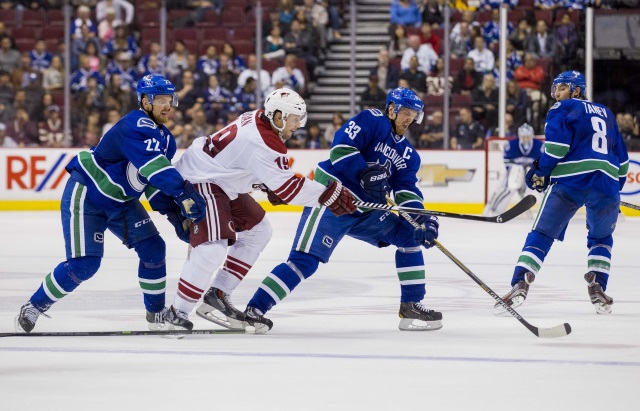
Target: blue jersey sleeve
x,y
558,134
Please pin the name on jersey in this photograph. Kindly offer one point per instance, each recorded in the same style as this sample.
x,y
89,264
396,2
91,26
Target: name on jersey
x,y
246,118
391,153
591,109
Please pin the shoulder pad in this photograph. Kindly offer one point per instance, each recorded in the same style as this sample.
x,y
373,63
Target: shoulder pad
x,y
555,105
146,122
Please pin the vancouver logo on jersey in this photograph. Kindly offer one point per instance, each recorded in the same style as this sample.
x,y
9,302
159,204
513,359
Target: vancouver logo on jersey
x,y
392,155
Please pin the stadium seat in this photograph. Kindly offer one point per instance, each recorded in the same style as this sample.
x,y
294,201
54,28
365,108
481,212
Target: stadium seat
x,y
214,34
55,17
25,44
148,17
232,17
186,34
460,100
483,16
242,35
271,65
455,65
25,32
177,16
544,15
244,48
433,101
33,18
52,33
525,4
8,17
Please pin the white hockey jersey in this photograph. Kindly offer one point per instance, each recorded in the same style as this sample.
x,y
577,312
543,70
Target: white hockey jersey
x,y
244,155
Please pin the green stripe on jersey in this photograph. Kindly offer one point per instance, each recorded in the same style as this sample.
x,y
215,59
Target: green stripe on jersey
x,y
624,169
411,275
339,152
556,149
155,166
101,179
403,197
307,235
585,166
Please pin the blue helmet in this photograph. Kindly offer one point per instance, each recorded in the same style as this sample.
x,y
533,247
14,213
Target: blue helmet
x,y
403,97
155,85
571,78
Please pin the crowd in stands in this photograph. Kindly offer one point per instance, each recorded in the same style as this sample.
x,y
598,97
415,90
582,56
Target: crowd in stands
x,y
210,60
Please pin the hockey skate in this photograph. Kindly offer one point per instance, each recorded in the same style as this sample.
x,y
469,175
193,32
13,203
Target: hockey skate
x,y
417,317
169,319
217,308
602,302
517,295
256,319
26,320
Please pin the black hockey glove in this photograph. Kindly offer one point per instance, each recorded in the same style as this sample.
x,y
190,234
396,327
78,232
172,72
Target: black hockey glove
x,y
374,182
535,180
271,196
191,203
181,225
428,230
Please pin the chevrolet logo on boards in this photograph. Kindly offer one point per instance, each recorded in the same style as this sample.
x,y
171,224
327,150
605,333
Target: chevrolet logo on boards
x,y
439,175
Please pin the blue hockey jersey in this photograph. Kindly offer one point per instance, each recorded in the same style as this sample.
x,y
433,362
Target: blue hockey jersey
x,y
517,153
583,147
134,153
367,139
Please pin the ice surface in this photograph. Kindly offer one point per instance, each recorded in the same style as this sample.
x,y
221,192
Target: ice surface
x,y
335,344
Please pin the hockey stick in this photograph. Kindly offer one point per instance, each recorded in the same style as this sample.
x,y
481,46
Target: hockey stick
x,y
120,333
524,204
553,332
628,205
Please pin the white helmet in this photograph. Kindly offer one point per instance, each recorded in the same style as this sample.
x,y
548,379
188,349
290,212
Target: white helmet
x,y
287,102
525,130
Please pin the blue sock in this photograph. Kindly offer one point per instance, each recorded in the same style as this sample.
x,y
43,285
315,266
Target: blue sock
x,y
411,273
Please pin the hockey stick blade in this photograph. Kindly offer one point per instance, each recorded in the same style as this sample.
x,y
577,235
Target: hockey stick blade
x,y
121,333
629,205
553,332
524,204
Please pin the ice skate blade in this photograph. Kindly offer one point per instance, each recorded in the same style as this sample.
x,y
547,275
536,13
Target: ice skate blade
x,y
17,326
500,310
410,324
211,314
166,327
602,309
257,329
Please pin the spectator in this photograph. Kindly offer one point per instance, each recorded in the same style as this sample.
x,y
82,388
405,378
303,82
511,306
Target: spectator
x,y
187,91
274,44
492,30
432,136
208,63
632,140
482,57
417,79
96,60
9,57
40,57
427,37
510,130
435,79
513,60
7,91
467,79
373,96
22,75
79,44
333,8
287,11
50,131
314,140
122,41
251,72
468,133
82,19
299,42
336,122
6,141
226,77
388,74
53,77
22,130
5,34
123,65
290,76
298,138
89,132
467,17
530,77
485,102
112,118
107,27
461,43
216,100
187,135
199,123
543,43
144,65
568,38
317,18
399,42
244,98
519,36
517,102
432,14
236,63
549,4
406,13
426,56
117,96
495,4
123,10
199,77
177,60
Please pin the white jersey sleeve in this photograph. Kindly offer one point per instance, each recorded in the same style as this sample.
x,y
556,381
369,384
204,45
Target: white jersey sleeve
x,y
244,155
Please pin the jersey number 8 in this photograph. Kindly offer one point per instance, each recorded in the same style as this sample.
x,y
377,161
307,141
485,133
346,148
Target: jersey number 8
x,y
599,140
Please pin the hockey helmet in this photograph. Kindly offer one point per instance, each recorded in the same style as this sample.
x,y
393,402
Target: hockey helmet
x,y
287,102
525,130
403,97
571,78
155,85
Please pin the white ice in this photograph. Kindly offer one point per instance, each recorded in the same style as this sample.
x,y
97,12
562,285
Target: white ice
x,y
335,344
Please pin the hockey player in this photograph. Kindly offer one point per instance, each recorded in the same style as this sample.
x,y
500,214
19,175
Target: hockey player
x,y
519,154
225,167
103,192
371,157
585,162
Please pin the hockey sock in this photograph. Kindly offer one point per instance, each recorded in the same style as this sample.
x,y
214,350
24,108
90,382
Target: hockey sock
x,y
411,273
196,273
242,255
283,279
532,256
152,272
66,277
599,258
